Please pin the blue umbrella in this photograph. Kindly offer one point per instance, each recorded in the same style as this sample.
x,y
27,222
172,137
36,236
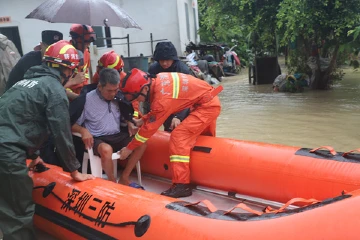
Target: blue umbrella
x,y
88,12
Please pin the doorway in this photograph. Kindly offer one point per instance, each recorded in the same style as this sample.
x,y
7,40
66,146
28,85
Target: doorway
x,y
12,33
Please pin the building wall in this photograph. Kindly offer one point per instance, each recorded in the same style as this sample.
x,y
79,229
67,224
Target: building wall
x,y
165,19
29,29
157,17
187,30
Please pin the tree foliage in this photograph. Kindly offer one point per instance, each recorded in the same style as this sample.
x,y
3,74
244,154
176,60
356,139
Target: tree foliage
x,y
323,23
260,20
328,24
219,20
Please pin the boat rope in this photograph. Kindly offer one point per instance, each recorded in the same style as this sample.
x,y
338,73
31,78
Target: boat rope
x,y
331,150
347,153
245,207
269,209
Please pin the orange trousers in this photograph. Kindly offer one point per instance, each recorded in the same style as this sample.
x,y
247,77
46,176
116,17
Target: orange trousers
x,y
201,120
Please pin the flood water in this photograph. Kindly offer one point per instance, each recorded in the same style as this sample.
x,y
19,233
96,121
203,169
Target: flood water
x,y
309,119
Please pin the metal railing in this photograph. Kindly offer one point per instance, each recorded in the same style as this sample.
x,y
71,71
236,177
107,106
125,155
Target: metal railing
x,y
152,41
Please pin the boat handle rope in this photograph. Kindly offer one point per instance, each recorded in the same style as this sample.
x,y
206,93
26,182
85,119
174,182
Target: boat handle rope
x,y
207,203
347,153
268,209
141,225
331,150
292,201
245,207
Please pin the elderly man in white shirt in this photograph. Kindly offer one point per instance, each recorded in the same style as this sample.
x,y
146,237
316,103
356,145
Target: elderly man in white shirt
x,y
99,126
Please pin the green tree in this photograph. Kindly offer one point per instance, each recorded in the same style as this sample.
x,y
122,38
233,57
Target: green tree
x,y
252,23
307,23
259,17
312,23
219,20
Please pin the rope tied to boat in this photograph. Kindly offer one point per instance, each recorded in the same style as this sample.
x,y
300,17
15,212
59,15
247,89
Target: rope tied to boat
x,y
331,150
207,203
349,152
269,209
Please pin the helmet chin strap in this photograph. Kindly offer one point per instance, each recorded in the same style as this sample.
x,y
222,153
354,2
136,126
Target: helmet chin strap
x,y
66,78
145,96
76,43
146,104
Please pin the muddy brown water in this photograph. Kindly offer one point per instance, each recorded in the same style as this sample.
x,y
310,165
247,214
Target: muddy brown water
x,y
308,119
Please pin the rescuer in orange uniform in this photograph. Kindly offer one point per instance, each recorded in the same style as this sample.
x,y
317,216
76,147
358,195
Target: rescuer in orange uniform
x,y
81,37
109,60
169,93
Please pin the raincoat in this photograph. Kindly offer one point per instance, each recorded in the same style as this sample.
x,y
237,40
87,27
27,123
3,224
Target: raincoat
x,y
30,110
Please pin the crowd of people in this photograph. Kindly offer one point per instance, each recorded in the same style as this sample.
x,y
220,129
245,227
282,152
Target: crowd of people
x,y
51,87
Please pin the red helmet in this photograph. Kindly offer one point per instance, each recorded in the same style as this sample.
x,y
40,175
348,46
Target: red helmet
x,y
78,31
111,60
62,53
133,83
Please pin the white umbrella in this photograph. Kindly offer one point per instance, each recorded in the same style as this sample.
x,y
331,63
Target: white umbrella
x,y
88,12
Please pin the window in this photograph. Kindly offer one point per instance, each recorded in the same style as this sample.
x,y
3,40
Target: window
x,y
99,37
187,20
101,34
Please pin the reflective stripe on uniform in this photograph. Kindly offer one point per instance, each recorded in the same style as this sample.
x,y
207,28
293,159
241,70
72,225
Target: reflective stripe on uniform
x,y
136,114
86,75
179,158
115,63
176,85
140,138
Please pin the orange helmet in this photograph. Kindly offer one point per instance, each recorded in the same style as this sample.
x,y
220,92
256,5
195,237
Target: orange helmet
x,y
111,60
62,53
78,31
133,83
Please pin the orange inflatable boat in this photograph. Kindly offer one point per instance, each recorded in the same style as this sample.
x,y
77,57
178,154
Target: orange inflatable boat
x,y
268,171
247,190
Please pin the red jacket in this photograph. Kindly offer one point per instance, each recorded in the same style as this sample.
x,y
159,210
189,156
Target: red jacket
x,y
169,93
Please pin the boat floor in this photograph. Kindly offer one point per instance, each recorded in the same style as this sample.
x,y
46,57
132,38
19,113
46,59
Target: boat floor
x,y
219,199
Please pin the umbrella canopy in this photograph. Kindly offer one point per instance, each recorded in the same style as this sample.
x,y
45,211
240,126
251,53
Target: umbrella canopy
x,y
88,12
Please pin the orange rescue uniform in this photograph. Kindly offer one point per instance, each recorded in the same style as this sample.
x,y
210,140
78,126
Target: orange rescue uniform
x,y
85,68
173,92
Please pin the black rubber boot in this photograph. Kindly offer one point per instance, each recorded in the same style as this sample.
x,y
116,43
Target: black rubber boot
x,y
178,190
